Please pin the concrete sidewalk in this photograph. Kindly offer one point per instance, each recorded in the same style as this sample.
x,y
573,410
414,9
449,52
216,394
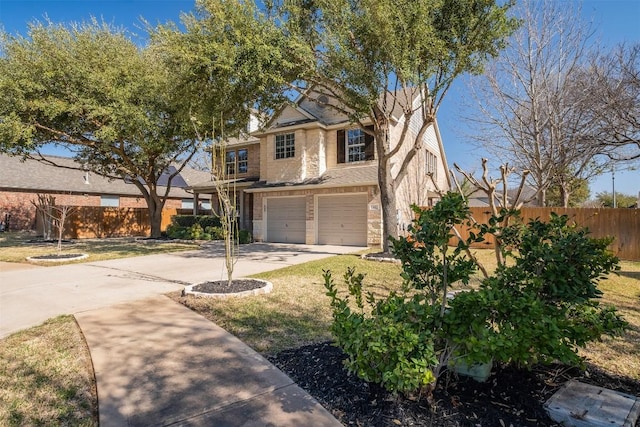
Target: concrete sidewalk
x,y
158,363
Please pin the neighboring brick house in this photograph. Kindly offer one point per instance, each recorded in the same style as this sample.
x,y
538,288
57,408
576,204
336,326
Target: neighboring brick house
x,y
317,178
21,181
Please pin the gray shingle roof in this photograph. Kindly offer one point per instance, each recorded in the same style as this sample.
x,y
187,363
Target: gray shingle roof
x,y
16,174
339,177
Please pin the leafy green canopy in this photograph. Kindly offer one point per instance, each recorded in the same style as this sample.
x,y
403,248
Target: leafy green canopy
x,y
230,61
91,89
363,48
129,111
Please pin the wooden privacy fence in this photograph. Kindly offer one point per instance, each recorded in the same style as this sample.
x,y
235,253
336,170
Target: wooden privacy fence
x,y
91,222
622,224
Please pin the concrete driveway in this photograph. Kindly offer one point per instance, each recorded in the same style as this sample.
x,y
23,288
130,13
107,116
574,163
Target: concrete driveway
x,y
30,295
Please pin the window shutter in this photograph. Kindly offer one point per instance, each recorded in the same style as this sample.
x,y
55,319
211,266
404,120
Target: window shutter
x,y
340,142
369,146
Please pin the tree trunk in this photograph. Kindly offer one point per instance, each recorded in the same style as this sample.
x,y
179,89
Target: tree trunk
x,y
154,205
387,193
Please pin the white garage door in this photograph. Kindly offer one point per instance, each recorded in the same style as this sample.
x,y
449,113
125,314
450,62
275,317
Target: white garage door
x,y
342,220
286,221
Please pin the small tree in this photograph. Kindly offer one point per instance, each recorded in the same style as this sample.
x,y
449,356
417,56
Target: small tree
x,y
501,205
44,207
52,216
227,197
224,183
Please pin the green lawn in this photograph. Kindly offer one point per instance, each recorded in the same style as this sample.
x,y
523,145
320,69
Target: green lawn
x,y
17,246
45,376
297,312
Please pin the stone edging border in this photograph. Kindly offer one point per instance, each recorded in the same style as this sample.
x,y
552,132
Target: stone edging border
x,y
267,288
74,258
380,259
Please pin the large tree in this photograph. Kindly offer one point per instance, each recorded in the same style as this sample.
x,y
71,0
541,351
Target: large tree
x,y
89,88
380,57
130,112
613,81
539,108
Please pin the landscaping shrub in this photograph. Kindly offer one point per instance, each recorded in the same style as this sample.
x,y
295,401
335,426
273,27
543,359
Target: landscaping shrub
x,y
187,221
538,307
397,341
392,344
542,306
244,237
216,232
195,227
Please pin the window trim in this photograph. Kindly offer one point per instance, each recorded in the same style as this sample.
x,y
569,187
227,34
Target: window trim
x,y
230,166
242,163
342,139
431,164
288,149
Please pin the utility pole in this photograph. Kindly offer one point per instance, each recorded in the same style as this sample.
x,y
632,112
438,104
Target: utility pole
x,y
613,185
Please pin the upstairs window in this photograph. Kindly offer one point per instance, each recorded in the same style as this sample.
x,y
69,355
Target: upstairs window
x,y
243,161
355,145
285,146
230,163
431,166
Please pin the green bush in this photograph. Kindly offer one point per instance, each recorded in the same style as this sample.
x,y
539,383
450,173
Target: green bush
x,y
175,231
195,232
541,307
244,237
195,227
189,220
216,232
397,341
392,344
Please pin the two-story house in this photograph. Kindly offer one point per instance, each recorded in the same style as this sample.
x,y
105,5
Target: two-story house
x,y
310,176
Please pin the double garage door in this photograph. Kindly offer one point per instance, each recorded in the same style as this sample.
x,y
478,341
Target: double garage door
x,y
341,220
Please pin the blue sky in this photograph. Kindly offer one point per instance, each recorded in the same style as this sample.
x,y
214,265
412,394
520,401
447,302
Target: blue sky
x,y
615,21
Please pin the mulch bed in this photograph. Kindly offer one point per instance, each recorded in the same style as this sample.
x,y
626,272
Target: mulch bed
x,y
48,242
223,287
510,397
53,257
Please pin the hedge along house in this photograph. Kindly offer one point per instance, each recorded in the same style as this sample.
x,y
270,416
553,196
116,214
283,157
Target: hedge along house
x,y
311,178
21,182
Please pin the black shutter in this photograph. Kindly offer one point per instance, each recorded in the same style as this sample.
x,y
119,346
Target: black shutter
x,y
369,146
340,142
